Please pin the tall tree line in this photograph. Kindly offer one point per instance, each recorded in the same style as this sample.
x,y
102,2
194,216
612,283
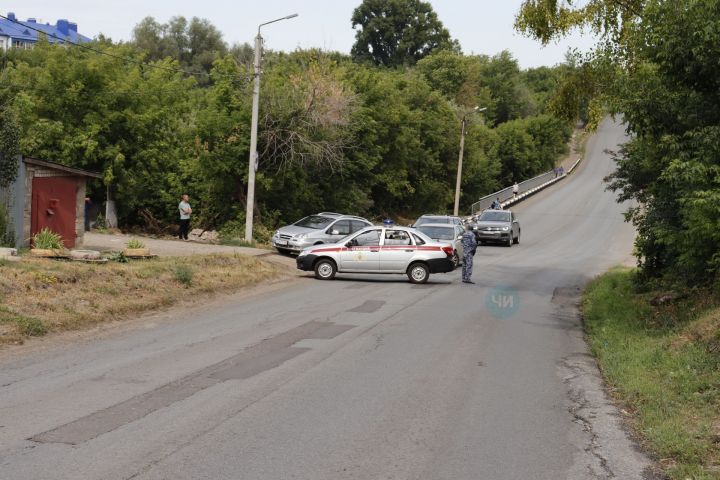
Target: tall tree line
x,y
337,132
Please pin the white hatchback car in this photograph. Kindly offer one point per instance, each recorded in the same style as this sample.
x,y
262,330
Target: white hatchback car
x,y
379,250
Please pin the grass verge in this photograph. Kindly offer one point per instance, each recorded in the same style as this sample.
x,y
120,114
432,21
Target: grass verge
x,y
38,296
663,364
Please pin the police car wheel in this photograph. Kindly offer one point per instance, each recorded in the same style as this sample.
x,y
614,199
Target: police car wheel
x,y
325,269
456,260
418,273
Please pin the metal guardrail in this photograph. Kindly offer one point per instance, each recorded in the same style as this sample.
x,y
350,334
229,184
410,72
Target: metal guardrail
x,y
570,170
507,193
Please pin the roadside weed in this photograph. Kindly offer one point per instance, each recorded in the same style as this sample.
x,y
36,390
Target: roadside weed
x,y
135,243
184,275
47,239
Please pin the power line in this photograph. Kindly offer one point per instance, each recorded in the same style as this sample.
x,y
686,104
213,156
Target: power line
x,y
124,59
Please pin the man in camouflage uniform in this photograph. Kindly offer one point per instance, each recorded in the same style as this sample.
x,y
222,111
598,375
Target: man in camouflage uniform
x,y
469,243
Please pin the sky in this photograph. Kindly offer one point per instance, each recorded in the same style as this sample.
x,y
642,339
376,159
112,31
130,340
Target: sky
x,y
481,26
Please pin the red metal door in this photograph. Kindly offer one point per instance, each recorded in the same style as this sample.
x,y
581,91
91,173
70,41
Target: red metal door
x,y
54,206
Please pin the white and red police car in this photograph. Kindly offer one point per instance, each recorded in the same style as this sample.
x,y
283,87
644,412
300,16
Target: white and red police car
x,y
377,249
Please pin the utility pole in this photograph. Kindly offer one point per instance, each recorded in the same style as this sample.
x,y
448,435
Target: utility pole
x,y
456,209
253,162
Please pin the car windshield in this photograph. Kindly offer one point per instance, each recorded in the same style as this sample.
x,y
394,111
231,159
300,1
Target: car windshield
x,y
494,216
424,220
316,222
438,233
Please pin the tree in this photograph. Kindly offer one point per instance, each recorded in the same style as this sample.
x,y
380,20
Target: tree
x,y
459,78
657,67
510,95
306,112
100,113
393,33
9,147
195,44
546,20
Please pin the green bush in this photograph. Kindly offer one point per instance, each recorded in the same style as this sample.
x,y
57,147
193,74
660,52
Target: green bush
x,y
233,233
7,234
184,275
100,223
117,257
47,239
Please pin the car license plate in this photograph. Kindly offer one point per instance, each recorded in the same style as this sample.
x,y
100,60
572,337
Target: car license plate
x,y
282,243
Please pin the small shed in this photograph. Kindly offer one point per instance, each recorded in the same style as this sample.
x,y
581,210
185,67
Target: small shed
x,y
47,195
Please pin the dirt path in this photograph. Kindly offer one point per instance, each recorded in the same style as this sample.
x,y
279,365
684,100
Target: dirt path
x,y
177,248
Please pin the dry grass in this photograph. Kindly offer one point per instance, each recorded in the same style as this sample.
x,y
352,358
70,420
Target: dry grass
x,y
39,295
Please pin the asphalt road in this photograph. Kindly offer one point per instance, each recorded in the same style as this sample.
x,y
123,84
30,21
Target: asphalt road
x,y
358,378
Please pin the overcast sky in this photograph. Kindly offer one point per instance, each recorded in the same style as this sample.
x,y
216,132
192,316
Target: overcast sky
x,y
481,26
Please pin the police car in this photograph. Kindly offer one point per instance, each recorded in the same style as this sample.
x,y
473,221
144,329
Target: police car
x,y
379,249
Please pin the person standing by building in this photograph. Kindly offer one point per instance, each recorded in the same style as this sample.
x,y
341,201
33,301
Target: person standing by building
x,y
469,243
185,212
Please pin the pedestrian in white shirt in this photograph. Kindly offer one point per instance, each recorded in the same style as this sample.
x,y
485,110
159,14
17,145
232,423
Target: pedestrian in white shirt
x,y
185,212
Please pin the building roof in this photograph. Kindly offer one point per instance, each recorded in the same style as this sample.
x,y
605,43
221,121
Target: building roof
x,y
64,168
19,30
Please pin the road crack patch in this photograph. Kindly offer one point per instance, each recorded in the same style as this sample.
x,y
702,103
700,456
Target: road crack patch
x,y
583,414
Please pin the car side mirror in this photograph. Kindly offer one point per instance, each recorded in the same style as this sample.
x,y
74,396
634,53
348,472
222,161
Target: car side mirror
x,y
459,237
334,232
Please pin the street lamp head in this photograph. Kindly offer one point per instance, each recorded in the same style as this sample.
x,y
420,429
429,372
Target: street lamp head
x,y
277,20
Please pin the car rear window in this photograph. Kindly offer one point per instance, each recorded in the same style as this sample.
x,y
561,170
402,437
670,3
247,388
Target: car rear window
x,y
317,222
494,216
440,233
424,220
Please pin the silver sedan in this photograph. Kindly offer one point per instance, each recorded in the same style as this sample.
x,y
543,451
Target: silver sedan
x,y
446,233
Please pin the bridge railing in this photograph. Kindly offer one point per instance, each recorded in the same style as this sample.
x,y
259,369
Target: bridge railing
x,y
507,193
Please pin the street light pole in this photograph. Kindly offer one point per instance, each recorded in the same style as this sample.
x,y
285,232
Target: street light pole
x,y
253,162
456,209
